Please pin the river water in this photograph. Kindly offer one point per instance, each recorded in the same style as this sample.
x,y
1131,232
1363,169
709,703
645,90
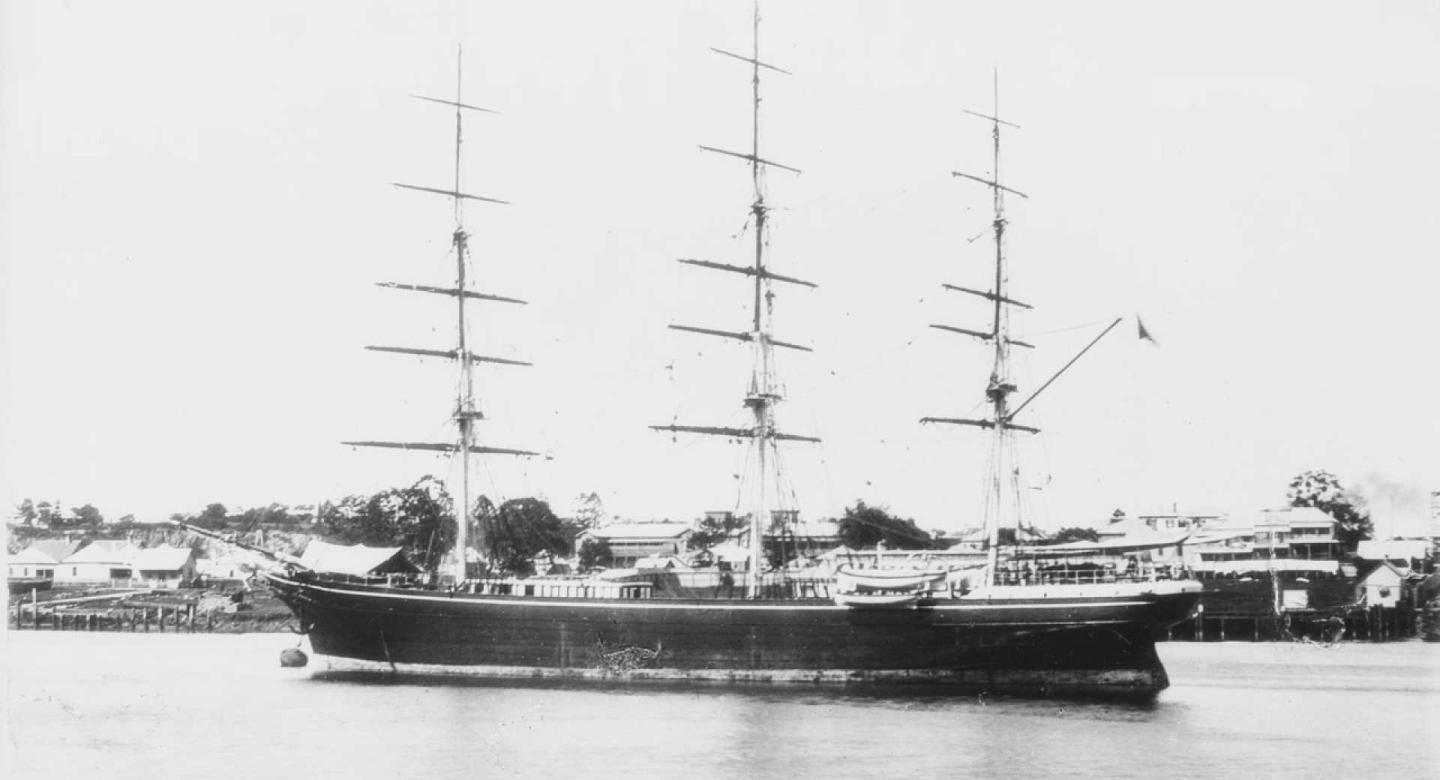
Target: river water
x,y
202,705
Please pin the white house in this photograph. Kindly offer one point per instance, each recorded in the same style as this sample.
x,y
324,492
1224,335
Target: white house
x,y
40,559
164,567
1298,539
101,561
629,542
229,565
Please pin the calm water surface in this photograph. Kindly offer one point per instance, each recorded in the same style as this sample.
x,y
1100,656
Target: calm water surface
x,y
197,706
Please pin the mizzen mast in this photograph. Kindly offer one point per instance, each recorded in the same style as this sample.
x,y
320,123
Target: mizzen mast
x,y
763,393
466,412
1001,383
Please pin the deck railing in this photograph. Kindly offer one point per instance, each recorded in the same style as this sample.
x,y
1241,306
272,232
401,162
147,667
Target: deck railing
x,y
1090,574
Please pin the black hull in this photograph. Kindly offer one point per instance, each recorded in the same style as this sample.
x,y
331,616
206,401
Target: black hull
x,y
1073,642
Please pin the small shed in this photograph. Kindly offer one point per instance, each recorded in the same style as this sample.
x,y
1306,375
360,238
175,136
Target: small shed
x,y
669,562
356,560
731,553
40,560
1381,586
164,567
229,565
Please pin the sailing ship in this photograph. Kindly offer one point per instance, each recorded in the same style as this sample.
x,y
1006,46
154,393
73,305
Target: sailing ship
x,y
1055,639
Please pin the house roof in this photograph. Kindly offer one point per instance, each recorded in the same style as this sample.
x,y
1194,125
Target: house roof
x,y
1383,572
45,551
1023,533
357,559
1393,550
1136,544
729,552
105,551
1296,515
1221,535
163,558
635,531
663,562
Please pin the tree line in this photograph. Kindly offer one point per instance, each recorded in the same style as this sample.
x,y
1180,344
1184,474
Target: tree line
x,y
420,519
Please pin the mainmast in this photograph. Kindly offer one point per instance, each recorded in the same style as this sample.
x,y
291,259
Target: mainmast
x,y
466,412
1001,383
763,393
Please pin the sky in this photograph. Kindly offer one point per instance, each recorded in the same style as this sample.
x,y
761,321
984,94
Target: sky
x,y
196,201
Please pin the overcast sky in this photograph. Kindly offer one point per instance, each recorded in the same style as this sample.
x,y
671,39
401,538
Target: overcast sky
x,y
195,202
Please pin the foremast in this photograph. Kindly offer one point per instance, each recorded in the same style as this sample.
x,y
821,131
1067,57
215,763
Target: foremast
x,y
467,412
763,393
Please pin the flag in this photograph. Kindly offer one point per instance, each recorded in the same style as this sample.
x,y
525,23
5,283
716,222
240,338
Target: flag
x,y
1145,334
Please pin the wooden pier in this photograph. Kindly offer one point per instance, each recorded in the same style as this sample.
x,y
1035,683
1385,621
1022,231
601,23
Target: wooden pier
x,y
1260,610
110,612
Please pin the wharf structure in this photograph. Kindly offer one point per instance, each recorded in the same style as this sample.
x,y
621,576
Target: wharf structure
x,y
1285,575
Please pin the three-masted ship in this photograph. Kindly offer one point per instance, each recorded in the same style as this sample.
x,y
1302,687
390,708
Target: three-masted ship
x,y
1095,638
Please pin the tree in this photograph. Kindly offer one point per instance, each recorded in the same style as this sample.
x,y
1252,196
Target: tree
x,y
87,517
419,519
266,516
594,552
713,530
1065,535
866,526
1323,490
26,513
589,510
520,529
213,517
48,514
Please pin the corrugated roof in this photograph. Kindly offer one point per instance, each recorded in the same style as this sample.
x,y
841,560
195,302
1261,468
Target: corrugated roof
x,y
1296,515
1393,549
45,551
105,551
162,558
642,531
357,559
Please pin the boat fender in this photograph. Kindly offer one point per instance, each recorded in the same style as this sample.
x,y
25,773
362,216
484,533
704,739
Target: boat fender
x,y
293,658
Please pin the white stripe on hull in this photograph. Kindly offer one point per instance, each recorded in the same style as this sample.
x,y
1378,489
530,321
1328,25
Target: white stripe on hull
x,y
1064,596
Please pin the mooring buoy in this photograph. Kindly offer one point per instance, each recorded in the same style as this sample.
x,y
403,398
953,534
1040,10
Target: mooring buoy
x,y
293,657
